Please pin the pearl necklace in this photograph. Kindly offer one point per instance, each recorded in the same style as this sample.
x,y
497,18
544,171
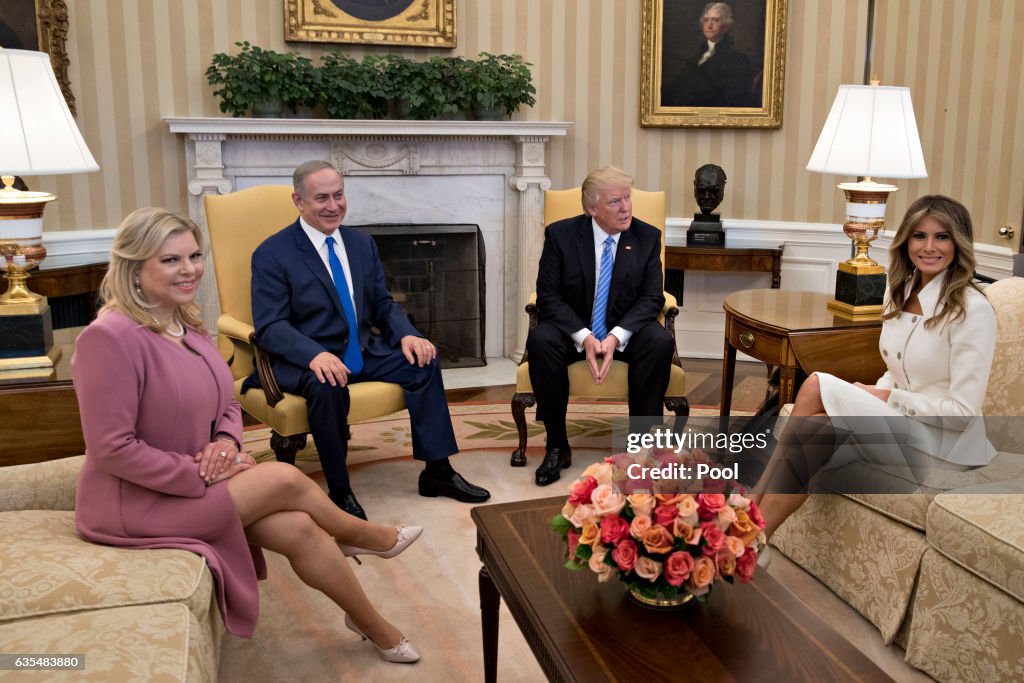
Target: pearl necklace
x,y
167,327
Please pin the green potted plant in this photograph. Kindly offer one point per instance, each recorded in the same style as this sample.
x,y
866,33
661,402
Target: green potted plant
x,y
262,80
350,89
500,83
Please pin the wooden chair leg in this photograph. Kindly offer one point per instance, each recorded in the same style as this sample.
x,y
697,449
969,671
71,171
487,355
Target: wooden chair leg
x,y
285,447
681,407
520,402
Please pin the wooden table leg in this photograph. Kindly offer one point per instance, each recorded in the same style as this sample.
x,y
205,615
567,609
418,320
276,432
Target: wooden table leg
x,y
728,372
490,599
787,378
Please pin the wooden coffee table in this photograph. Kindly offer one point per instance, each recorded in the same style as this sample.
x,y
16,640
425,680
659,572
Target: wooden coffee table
x,y
582,630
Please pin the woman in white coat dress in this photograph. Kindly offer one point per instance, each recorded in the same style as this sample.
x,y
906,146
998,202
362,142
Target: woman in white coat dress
x,y
937,340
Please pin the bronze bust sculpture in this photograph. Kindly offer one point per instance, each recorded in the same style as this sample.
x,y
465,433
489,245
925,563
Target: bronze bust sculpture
x,y
709,190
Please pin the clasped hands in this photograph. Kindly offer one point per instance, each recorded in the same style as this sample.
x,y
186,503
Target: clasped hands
x,y
604,350
330,369
221,459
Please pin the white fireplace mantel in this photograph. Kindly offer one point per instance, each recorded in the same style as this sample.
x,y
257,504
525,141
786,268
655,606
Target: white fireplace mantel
x,y
491,173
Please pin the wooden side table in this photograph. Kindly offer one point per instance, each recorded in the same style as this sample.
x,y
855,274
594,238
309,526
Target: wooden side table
x,y
726,259
796,330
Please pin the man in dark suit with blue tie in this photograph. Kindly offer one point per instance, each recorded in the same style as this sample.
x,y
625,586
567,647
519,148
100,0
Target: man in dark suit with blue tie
x,y
599,294
317,290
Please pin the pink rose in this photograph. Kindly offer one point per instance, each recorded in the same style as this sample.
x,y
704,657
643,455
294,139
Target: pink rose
x,y
639,527
613,529
755,515
625,555
581,515
726,562
607,500
658,540
581,490
710,504
735,545
739,501
745,566
574,540
726,516
678,567
665,515
687,507
599,566
703,572
642,503
714,538
646,568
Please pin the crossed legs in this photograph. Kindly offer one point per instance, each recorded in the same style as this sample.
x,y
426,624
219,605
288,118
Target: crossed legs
x,y
787,470
284,511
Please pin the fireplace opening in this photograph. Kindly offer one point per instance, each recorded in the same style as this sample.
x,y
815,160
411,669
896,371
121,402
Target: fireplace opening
x,y
436,272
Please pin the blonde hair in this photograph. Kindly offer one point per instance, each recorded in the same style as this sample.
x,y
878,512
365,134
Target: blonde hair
x,y
139,237
600,180
954,217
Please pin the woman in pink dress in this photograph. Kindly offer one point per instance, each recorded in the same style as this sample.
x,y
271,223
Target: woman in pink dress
x,y
163,466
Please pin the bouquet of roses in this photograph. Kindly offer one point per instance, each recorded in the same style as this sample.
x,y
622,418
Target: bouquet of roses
x,y
659,541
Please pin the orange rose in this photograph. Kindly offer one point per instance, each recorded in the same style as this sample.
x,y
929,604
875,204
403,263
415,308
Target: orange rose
x,y
591,534
669,498
703,572
658,539
639,526
744,528
642,503
686,532
726,563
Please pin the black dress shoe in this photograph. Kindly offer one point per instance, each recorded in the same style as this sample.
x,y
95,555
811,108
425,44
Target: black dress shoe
x,y
555,460
349,504
453,486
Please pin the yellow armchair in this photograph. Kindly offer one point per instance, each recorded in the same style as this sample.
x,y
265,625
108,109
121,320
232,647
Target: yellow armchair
x,y
559,204
238,223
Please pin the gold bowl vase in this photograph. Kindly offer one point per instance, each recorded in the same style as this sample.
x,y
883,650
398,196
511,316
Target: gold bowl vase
x,y
678,601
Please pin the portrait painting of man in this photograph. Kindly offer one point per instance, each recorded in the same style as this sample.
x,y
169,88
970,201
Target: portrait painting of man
x,y
713,64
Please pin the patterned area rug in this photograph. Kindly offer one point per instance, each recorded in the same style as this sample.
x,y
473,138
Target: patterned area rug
x,y
477,426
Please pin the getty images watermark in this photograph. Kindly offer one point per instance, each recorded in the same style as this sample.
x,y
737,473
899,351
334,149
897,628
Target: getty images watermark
x,y
698,444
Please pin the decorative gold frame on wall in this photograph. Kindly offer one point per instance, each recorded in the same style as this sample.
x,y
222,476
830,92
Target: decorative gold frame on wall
x,y
654,114
51,37
424,23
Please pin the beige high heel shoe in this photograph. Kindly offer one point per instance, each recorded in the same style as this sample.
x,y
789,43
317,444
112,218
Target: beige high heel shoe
x,y
403,653
406,536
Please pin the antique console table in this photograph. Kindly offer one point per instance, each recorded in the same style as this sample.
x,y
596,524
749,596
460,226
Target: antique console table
x,y
727,259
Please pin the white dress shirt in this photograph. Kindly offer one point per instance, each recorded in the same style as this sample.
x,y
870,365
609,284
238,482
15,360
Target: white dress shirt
x,y
319,241
622,335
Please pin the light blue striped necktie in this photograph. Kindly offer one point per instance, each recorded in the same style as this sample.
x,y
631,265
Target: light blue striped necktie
x,y
353,359
599,326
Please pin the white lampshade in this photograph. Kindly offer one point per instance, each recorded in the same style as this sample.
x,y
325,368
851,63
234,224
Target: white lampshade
x,y
870,131
38,135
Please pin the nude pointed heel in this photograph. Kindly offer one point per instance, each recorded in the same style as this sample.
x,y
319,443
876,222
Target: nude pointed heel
x,y
407,535
403,653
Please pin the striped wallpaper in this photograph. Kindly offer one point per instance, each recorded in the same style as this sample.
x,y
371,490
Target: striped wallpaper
x,y
134,62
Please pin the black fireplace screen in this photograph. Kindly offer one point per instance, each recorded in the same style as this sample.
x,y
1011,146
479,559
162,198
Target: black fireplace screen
x,y
436,272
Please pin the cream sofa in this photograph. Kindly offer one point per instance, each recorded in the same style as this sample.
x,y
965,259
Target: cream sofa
x,y
939,572
142,615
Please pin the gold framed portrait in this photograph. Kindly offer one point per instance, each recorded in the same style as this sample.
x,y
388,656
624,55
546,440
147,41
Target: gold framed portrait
x,y
405,23
712,64
40,25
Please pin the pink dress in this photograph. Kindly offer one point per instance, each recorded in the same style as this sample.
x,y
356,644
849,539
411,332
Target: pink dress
x,y
148,406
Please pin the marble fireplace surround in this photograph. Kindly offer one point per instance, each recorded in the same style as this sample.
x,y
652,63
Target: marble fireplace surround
x,y
417,172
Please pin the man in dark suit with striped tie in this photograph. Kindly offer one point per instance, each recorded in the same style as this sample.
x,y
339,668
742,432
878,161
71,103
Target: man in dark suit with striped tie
x,y
599,293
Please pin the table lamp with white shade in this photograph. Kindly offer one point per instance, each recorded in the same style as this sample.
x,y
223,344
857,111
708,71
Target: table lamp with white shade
x,y
38,136
870,132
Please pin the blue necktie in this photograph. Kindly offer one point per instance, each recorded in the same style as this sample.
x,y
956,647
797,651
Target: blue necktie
x,y
604,280
353,359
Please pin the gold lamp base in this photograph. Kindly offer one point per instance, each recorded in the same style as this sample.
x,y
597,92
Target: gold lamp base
x,y
860,281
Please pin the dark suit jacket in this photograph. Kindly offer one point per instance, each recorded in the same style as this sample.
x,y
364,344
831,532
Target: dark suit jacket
x,y
296,309
566,277
726,79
